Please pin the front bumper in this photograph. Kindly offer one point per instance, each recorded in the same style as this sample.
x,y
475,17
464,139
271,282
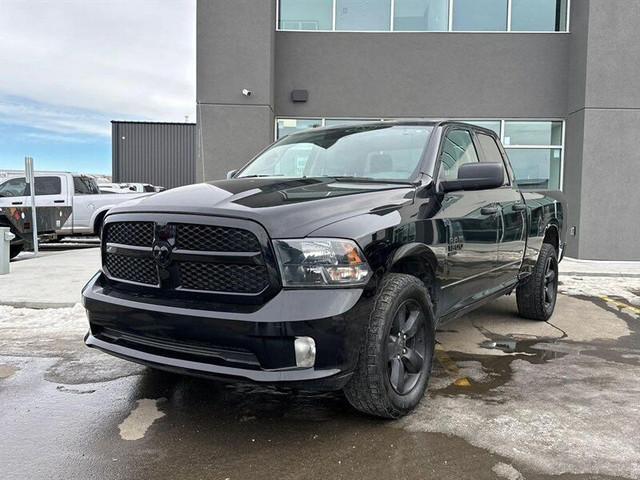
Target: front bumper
x,y
247,344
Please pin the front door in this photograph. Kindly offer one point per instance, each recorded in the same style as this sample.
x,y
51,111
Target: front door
x,y
472,221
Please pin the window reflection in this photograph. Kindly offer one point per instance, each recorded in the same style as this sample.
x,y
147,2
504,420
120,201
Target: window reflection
x,y
291,125
539,15
306,15
480,15
421,15
536,167
371,15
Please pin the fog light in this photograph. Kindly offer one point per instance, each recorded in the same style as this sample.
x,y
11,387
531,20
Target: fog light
x,y
305,351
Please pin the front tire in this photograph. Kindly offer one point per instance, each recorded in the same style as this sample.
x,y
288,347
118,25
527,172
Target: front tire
x,y
397,352
536,297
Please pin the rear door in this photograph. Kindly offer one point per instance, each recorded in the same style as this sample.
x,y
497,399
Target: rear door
x,y
512,216
472,221
50,191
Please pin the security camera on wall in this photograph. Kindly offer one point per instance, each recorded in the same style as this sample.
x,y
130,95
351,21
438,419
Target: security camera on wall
x,y
246,93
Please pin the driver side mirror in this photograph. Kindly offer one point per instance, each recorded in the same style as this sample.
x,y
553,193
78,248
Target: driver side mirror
x,y
476,176
231,173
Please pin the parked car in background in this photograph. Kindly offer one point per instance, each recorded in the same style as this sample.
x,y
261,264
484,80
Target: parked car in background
x,y
328,261
62,189
129,187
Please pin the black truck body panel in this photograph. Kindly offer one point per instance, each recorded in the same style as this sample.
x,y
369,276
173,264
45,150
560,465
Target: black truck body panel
x,y
469,246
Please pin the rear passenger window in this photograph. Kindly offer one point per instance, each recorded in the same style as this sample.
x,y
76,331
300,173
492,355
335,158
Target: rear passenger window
x,y
48,186
492,152
457,149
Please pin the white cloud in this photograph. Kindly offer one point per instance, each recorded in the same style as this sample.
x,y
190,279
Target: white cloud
x,y
114,59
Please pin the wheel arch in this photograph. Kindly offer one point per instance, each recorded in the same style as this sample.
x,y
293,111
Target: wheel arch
x,y
417,260
98,217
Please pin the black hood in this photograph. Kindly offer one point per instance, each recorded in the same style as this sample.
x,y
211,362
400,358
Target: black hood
x,y
285,207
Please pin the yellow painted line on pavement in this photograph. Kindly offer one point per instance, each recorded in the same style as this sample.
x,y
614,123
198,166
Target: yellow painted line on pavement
x,y
621,304
450,367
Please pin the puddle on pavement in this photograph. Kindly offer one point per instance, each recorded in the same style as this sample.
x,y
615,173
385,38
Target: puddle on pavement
x,y
495,370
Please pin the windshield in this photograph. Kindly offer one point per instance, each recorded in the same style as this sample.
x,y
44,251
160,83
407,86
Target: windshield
x,y
391,152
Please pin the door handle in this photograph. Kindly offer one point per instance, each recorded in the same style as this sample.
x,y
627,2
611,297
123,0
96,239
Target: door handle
x,y
16,203
58,201
491,210
518,207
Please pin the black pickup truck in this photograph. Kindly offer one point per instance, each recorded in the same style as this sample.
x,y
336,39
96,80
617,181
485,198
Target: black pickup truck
x,y
328,261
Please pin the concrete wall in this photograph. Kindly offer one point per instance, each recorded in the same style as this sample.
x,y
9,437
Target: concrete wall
x,y
589,76
602,163
235,50
422,74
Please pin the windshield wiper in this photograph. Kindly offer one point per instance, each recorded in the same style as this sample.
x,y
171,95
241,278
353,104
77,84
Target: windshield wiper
x,y
347,178
263,175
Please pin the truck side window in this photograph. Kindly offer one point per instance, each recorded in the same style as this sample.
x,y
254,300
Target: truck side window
x,y
492,152
457,149
15,187
85,186
48,186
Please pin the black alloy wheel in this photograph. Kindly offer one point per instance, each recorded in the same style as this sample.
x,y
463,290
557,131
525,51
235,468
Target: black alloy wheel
x,y
406,347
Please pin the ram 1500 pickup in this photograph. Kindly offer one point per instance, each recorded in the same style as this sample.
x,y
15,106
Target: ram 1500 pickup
x,y
328,261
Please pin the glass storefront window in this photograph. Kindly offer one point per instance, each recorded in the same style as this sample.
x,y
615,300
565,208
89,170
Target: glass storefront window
x,y
292,125
536,167
306,15
331,122
539,15
369,15
480,15
532,133
421,15
534,147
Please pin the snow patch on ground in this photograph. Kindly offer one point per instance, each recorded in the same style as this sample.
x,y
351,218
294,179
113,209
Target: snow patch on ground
x,y
556,424
140,419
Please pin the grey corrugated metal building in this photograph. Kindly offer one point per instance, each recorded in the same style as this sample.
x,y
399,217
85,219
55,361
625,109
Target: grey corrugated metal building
x,y
558,80
157,153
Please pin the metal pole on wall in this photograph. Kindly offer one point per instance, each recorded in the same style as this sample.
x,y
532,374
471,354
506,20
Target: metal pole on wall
x,y
30,177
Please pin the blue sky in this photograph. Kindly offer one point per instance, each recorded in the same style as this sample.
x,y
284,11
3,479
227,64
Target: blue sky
x,y
67,68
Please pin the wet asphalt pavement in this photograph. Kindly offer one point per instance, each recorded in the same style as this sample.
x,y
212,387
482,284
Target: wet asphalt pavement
x,y
552,400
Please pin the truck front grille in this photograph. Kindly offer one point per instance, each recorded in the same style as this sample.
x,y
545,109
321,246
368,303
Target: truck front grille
x,y
202,258
212,238
132,269
139,234
223,277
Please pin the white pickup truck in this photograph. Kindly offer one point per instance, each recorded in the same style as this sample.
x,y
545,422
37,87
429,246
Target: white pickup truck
x,y
62,189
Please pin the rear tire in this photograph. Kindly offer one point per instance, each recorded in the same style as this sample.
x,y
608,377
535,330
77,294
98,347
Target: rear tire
x,y
536,297
14,250
397,352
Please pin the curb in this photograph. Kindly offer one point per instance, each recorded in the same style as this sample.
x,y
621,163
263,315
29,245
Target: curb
x,y
38,305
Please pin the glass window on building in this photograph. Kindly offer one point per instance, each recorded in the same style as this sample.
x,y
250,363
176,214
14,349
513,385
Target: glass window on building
x,y
292,125
479,15
532,133
539,15
421,15
369,15
306,15
536,167
332,122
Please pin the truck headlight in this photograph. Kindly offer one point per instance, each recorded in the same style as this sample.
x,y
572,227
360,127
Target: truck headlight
x,y
321,262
